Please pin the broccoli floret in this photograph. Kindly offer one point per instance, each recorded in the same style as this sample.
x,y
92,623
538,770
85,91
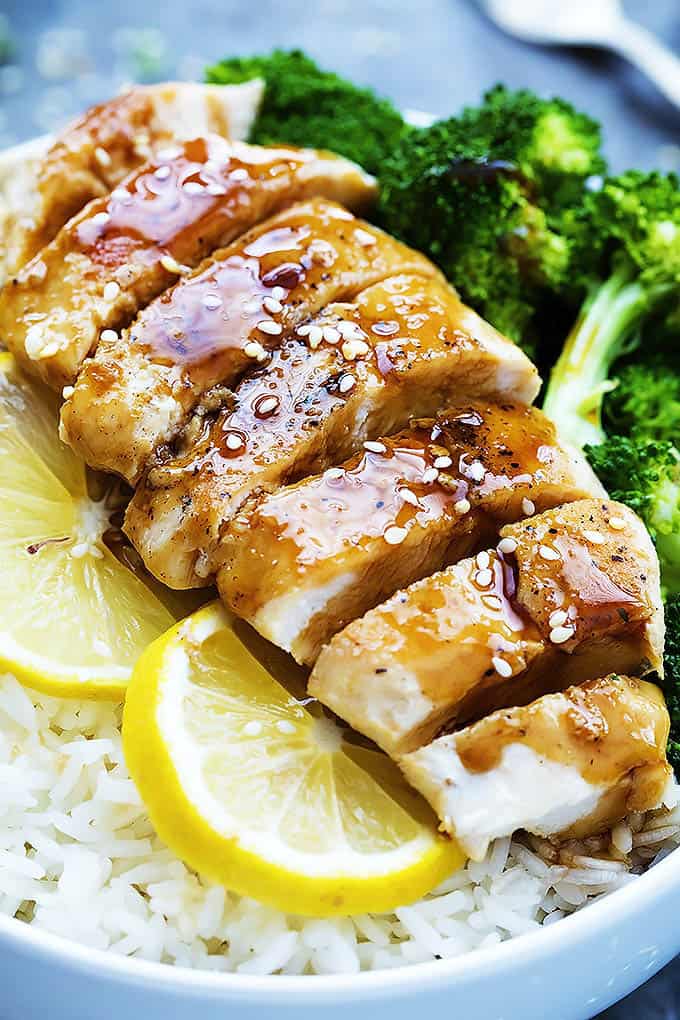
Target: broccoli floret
x,y
645,475
304,105
645,401
671,680
481,194
634,222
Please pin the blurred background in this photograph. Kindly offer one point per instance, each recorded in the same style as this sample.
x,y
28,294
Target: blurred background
x,y
59,56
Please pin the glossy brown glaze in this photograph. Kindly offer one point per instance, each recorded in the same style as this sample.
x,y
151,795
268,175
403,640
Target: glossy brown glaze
x,y
602,728
328,390
159,223
486,633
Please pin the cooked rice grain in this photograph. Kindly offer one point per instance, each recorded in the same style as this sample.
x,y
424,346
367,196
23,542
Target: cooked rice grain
x,y
79,857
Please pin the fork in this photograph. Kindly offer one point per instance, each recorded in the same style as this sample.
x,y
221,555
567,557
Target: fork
x,y
600,23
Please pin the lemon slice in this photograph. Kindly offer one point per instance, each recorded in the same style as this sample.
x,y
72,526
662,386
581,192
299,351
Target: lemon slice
x,y
74,619
257,792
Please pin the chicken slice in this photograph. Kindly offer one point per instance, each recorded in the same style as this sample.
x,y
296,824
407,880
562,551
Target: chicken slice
x,y
565,597
312,558
140,386
406,345
121,251
94,154
570,764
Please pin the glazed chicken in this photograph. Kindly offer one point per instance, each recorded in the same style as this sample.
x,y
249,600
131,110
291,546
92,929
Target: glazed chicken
x,y
123,250
404,346
309,559
212,326
565,597
93,155
569,764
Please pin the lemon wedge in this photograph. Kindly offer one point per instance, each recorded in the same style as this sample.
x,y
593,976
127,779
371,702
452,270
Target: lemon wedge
x,y
257,790
74,617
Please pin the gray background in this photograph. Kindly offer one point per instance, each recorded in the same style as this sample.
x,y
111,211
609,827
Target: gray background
x,y
431,55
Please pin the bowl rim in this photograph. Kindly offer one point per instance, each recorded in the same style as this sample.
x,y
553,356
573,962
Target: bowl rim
x,y
589,921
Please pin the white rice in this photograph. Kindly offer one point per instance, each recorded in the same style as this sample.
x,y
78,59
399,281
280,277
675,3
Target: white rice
x,y
79,857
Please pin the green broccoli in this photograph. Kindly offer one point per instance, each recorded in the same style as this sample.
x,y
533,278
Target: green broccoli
x,y
483,194
645,475
304,105
671,680
645,402
633,222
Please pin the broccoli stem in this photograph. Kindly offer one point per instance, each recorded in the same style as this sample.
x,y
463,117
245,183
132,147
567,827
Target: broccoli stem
x,y
609,316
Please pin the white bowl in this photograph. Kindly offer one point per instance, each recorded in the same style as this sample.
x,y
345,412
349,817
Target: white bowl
x,y
570,970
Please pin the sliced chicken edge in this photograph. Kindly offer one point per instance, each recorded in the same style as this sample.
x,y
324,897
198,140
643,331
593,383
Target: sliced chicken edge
x,y
45,183
140,387
399,517
570,764
122,251
463,656
191,510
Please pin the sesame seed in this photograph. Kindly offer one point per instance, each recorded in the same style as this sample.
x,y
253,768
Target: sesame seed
x,y
484,578
365,239
352,349
162,173
476,471
303,330
170,152
79,550
395,536
547,553
120,194
270,327
34,342
234,441
502,667
430,475
528,507
443,462
483,559
617,523
239,174
216,189
314,337
279,293
253,349
252,729
507,546
100,219
212,302
283,726
109,336
346,383
593,536
350,330
111,290
193,188
334,474
557,618
331,335
272,305
68,391
173,266
409,497
558,635
374,447
462,506
267,405
102,156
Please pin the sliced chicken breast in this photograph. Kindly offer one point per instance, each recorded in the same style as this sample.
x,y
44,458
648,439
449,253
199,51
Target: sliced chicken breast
x,y
566,596
93,154
140,386
570,764
310,559
405,346
122,251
